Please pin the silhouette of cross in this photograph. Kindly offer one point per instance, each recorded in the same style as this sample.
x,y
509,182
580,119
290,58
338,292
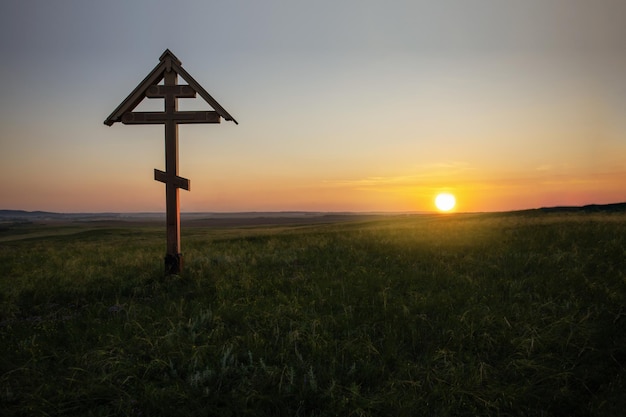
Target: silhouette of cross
x,y
168,70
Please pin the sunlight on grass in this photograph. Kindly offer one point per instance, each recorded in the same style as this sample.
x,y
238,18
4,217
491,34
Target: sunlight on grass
x,y
411,315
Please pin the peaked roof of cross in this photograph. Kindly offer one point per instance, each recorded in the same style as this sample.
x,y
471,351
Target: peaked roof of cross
x,y
167,62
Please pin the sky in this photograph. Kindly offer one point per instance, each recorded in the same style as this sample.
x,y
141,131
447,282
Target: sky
x,y
343,105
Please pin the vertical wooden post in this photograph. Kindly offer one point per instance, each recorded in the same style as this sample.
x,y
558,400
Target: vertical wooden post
x,y
173,257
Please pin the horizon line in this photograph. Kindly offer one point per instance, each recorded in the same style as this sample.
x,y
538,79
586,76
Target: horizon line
x,y
310,212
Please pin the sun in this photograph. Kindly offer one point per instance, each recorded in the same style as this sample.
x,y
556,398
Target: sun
x,y
445,201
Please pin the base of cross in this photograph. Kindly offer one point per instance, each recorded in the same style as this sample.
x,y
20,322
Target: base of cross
x,y
173,263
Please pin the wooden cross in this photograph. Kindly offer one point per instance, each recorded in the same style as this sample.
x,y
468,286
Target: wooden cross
x,y
168,69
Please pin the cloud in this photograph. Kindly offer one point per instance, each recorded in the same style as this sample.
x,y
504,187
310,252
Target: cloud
x,y
447,171
543,168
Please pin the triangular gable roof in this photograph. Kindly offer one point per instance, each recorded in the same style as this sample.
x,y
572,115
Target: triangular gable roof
x,y
167,61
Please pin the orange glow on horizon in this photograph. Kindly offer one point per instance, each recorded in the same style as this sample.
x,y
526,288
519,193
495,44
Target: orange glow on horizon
x,y
275,196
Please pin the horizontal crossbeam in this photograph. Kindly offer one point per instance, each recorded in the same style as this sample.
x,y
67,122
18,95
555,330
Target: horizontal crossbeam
x,y
178,182
178,91
180,117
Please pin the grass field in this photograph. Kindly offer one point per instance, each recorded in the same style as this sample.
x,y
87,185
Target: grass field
x,y
458,315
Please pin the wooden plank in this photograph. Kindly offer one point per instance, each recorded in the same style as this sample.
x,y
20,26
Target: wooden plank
x,y
184,117
172,201
179,117
178,182
178,91
203,93
160,175
138,94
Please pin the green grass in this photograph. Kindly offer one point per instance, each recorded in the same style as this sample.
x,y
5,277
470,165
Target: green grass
x,y
460,315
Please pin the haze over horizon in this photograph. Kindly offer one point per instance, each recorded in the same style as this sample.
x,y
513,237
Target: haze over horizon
x,y
356,106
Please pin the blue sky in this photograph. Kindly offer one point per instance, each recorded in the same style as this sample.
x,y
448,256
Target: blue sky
x,y
342,105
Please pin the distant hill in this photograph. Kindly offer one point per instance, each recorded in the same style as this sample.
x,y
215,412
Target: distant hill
x,y
208,218
190,219
33,216
587,209
25,215
590,208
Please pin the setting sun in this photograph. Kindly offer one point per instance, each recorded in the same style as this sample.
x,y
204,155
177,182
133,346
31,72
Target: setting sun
x,y
445,201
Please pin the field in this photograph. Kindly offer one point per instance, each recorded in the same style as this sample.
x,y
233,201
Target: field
x,y
453,315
